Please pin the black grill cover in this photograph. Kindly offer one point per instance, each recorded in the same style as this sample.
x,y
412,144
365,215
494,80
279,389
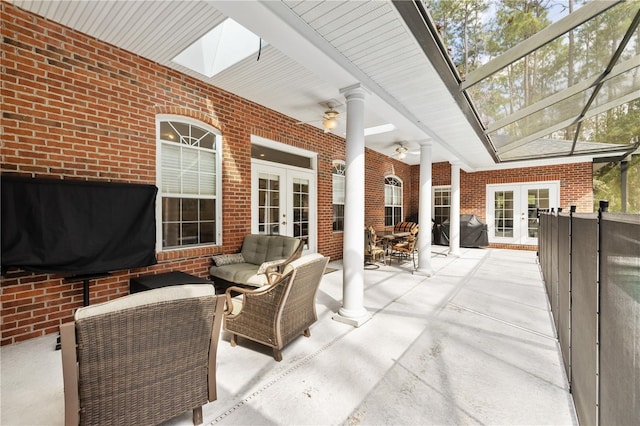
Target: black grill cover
x,y
473,233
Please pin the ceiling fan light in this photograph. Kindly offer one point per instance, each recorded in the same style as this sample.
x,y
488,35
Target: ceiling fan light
x,y
401,152
330,123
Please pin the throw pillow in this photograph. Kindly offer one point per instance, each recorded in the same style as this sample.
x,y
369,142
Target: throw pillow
x,y
266,265
227,259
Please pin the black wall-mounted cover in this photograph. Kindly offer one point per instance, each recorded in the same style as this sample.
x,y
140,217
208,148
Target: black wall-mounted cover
x,y
76,227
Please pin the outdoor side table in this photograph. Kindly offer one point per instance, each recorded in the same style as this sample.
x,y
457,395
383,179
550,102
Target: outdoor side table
x,y
147,282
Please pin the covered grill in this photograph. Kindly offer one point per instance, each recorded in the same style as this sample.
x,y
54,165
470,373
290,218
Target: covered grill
x,y
473,233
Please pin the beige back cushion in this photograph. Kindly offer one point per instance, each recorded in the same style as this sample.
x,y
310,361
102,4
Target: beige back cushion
x,y
257,249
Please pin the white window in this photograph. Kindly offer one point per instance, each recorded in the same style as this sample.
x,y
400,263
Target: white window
x,y
441,203
189,162
392,200
338,195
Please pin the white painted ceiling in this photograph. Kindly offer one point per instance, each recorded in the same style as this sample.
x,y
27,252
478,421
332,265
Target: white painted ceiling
x,y
315,49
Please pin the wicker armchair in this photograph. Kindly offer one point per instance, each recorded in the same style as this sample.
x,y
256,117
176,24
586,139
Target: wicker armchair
x,y
275,314
142,359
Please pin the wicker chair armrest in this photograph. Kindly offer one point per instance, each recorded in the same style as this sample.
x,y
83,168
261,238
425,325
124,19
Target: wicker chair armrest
x,y
262,299
272,266
295,255
228,307
273,278
70,373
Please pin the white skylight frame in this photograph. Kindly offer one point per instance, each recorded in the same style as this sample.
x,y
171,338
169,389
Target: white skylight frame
x,y
376,130
224,46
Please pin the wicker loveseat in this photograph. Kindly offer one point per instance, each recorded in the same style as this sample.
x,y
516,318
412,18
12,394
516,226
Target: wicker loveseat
x,y
259,255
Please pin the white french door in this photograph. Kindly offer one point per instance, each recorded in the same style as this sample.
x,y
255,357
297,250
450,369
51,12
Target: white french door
x,y
283,202
511,210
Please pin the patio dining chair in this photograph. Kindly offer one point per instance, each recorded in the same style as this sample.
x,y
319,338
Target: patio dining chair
x,y
372,248
406,247
142,359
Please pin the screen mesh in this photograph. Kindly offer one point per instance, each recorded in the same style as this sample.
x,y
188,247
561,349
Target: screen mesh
x,y
553,295
620,320
564,291
584,270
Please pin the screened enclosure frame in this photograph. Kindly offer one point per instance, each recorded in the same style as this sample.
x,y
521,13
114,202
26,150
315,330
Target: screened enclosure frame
x,y
508,138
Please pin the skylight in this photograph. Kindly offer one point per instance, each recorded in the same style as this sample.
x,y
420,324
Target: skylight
x,y
384,128
222,47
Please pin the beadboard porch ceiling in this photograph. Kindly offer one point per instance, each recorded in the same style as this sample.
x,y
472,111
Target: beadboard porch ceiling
x,y
315,48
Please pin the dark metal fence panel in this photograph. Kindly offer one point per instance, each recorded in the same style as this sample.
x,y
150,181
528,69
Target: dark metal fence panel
x,y
619,320
553,295
564,291
543,242
547,253
584,270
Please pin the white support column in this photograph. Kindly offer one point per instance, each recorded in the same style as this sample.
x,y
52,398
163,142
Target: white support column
x,y
454,217
424,211
352,311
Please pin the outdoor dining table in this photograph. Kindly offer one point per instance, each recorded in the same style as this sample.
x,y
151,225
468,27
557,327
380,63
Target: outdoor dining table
x,y
388,240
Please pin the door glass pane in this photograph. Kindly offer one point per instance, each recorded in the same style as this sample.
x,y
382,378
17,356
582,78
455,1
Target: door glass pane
x,y
301,209
268,204
503,222
536,198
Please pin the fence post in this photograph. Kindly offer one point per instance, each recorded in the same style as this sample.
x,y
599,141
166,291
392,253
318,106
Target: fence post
x,y
604,207
572,210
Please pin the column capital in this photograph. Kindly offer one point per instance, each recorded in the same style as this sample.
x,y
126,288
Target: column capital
x,y
355,91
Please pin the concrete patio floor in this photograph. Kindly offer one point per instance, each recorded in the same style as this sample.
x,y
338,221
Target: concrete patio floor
x,y
473,344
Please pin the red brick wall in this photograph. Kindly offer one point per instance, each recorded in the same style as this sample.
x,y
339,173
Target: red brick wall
x,y
77,108
377,167
576,187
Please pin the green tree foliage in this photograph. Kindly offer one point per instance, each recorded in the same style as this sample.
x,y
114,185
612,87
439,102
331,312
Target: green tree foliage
x,y
477,31
606,185
462,29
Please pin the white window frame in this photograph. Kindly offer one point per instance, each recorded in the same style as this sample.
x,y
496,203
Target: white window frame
x,y
433,199
218,181
393,203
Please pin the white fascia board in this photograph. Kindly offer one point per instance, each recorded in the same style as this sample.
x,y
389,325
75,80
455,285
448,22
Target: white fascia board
x,y
538,163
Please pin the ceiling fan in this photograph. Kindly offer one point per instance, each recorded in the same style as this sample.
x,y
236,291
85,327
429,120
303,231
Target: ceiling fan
x,y
329,119
402,151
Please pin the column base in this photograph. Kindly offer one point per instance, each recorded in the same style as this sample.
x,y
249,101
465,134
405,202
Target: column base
x,y
350,320
454,253
426,272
